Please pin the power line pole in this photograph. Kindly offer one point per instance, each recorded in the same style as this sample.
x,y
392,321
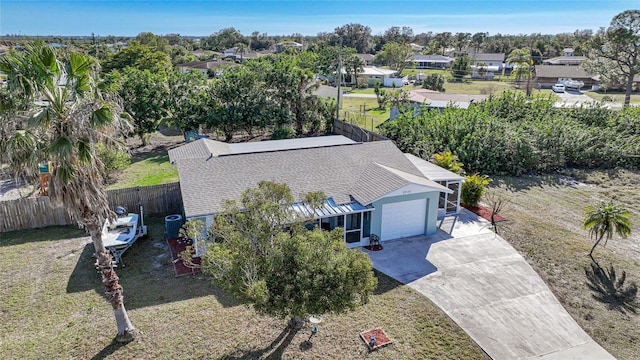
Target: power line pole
x,y
339,79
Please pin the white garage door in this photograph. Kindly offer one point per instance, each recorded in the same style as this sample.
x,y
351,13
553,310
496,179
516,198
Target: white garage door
x,y
405,218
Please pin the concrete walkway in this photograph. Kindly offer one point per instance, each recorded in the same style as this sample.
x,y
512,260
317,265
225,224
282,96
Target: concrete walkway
x,y
489,290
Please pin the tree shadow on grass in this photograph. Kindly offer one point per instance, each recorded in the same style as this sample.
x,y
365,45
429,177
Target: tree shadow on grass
x,y
49,233
108,350
609,288
148,279
275,350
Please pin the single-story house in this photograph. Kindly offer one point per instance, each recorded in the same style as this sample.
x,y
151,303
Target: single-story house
x,y
548,75
430,61
491,62
371,188
371,75
367,58
437,100
565,60
205,66
282,46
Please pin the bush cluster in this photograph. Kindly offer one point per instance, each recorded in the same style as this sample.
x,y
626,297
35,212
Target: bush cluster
x,y
514,134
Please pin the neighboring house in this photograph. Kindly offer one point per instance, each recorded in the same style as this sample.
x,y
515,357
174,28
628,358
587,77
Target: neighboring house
x,y
567,59
367,58
430,61
282,46
491,62
416,47
437,100
371,188
215,65
372,74
548,75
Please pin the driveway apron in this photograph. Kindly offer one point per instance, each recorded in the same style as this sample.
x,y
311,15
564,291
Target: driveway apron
x,y
489,290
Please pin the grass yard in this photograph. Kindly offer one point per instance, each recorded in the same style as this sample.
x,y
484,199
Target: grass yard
x,y
352,107
616,96
477,87
52,307
545,225
146,170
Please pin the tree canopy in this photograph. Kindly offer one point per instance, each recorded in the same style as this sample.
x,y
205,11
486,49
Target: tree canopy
x,y
615,52
290,273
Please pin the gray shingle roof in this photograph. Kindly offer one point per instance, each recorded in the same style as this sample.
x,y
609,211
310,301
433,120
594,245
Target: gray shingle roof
x,y
487,57
203,148
558,71
361,171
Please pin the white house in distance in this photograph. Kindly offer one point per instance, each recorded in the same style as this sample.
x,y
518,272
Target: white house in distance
x,y
372,74
371,188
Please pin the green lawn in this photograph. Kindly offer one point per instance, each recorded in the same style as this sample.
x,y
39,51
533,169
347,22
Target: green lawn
x,y
145,170
52,307
617,96
352,108
477,87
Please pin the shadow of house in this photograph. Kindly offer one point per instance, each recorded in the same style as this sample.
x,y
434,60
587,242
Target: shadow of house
x,y
49,233
608,286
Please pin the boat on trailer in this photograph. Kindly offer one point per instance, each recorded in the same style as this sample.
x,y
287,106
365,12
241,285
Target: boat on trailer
x,y
119,235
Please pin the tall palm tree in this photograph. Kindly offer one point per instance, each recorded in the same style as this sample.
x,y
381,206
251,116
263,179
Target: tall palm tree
x,y
605,219
523,66
71,118
241,48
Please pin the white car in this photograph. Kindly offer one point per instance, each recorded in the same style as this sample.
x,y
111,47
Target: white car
x,y
558,88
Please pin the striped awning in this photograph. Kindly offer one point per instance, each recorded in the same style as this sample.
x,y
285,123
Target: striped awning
x,y
330,208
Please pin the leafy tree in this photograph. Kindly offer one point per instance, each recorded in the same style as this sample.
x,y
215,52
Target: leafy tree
x,y
187,101
395,55
354,65
443,40
461,41
477,39
284,273
618,45
381,95
355,36
460,67
238,100
141,57
449,161
223,39
434,82
145,96
473,188
65,131
605,219
400,35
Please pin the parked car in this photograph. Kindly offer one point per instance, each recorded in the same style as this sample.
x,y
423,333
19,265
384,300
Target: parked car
x,y
559,88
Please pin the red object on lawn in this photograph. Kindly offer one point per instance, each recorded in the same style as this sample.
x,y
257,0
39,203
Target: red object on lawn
x,y
178,245
381,338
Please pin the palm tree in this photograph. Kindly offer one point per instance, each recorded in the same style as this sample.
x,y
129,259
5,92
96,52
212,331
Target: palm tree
x,y
354,65
523,66
605,219
64,129
241,48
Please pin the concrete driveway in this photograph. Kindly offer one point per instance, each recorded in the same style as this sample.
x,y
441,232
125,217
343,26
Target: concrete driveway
x,y
489,290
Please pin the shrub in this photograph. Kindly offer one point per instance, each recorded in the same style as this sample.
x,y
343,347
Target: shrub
x,y
283,132
434,82
113,159
449,161
472,189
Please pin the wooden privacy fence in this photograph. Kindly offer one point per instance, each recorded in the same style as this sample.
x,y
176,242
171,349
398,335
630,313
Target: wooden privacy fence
x,y
355,133
34,212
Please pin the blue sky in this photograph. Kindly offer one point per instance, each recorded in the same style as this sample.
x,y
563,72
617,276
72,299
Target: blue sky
x,y
130,17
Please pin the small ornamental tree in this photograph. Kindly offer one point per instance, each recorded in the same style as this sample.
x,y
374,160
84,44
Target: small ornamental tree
x,y
434,82
605,219
472,189
290,273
